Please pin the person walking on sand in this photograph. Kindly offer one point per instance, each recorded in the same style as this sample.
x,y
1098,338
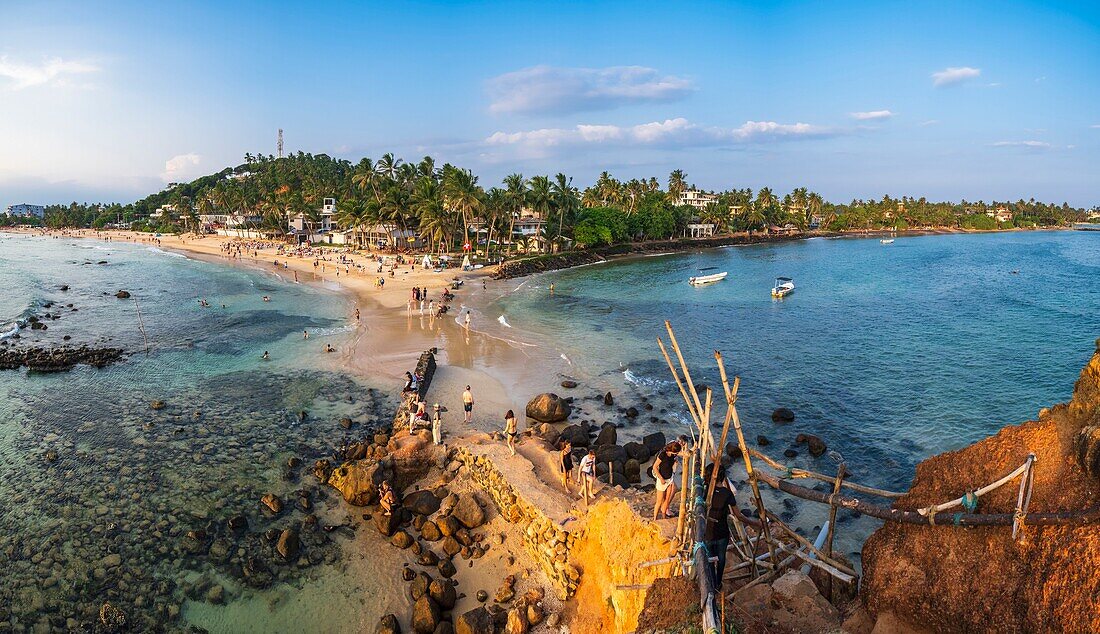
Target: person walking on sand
x,y
663,467
510,431
468,404
588,475
565,463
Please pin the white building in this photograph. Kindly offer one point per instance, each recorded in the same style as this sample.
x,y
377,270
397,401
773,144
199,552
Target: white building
x,y
697,199
24,209
314,230
1000,214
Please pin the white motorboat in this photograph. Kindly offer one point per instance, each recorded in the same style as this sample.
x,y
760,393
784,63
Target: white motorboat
x,y
703,280
783,286
887,241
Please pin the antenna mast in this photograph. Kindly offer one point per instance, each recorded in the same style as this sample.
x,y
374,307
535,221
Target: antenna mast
x,y
280,143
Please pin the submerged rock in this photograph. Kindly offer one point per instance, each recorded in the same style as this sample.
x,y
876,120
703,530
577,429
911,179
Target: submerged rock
x,y
782,415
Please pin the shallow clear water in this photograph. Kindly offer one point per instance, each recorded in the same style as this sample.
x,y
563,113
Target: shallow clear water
x,y
890,353
89,470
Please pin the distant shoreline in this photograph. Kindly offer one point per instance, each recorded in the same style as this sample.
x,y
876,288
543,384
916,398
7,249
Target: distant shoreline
x,y
570,259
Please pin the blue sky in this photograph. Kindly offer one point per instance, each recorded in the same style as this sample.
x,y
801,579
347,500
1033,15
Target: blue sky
x,y
109,101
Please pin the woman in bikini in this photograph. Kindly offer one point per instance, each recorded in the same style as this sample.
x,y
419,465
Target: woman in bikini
x,y
565,463
510,431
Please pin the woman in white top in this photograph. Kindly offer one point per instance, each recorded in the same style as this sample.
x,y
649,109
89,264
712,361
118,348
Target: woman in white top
x,y
588,475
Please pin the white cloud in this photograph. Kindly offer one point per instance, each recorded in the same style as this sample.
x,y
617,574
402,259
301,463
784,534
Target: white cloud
x,y
670,133
872,115
931,122
550,89
954,74
1035,145
181,167
1095,126
52,71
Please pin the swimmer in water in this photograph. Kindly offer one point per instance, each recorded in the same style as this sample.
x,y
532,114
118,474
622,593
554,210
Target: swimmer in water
x,y
266,356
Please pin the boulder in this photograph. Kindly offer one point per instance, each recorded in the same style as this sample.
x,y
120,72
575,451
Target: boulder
x,y
358,481
1086,449
569,384
782,415
548,408
468,512
443,593
388,625
610,453
430,531
476,621
448,525
387,524
654,442
272,503
422,502
577,435
288,545
425,616
608,400
637,451
790,453
517,622
813,443
402,540
123,294
763,441
608,435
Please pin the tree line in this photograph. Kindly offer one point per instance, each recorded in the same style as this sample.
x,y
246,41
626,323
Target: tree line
x,y
444,204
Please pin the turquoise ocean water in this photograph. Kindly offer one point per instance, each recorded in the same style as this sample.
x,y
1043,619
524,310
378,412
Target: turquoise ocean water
x,y
98,491
890,353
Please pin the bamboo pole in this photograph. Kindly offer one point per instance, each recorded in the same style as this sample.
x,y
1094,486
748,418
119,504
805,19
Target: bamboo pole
x,y
704,573
679,383
846,578
936,508
803,473
832,526
745,455
805,543
683,365
1053,518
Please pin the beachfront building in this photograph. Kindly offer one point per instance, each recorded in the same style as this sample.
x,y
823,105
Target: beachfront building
x,y
312,227
1000,214
699,230
697,199
23,210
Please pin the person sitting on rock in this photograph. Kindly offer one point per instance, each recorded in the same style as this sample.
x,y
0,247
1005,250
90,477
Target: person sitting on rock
x,y
386,497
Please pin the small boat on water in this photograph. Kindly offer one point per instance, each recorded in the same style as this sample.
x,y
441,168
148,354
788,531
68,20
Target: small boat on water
x,y
703,280
887,241
783,286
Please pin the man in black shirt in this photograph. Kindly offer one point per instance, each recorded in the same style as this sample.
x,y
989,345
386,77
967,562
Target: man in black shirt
x,y
717,534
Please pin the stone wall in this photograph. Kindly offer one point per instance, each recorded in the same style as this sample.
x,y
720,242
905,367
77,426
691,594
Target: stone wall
x,y
545,540
425,368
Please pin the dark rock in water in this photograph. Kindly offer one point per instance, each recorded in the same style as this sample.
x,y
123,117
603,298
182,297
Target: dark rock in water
x,y
51,455
56,359
548,408
288,545
425,616
654,442
63,287
256,573
157,404
790,453
608,400
733,450
272,503
216,595
302,416
813,443
293,462
567,384
388,625
123,295
632,412
422,502
782,415
238,524
608,435
763,441
219,550
112,618
346,423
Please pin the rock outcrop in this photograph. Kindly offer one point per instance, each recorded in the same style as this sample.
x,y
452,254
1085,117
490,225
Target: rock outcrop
x,y
548,408
979,579
358,480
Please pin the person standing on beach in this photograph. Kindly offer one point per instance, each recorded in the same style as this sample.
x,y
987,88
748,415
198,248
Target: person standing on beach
x,y
510,431
305,334
588,475
467,320
437,426
565,463
468,405
663,467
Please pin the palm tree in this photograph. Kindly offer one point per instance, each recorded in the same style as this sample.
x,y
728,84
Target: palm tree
x,y
462,194
540,198
677,183
516,191
387,166
565,200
